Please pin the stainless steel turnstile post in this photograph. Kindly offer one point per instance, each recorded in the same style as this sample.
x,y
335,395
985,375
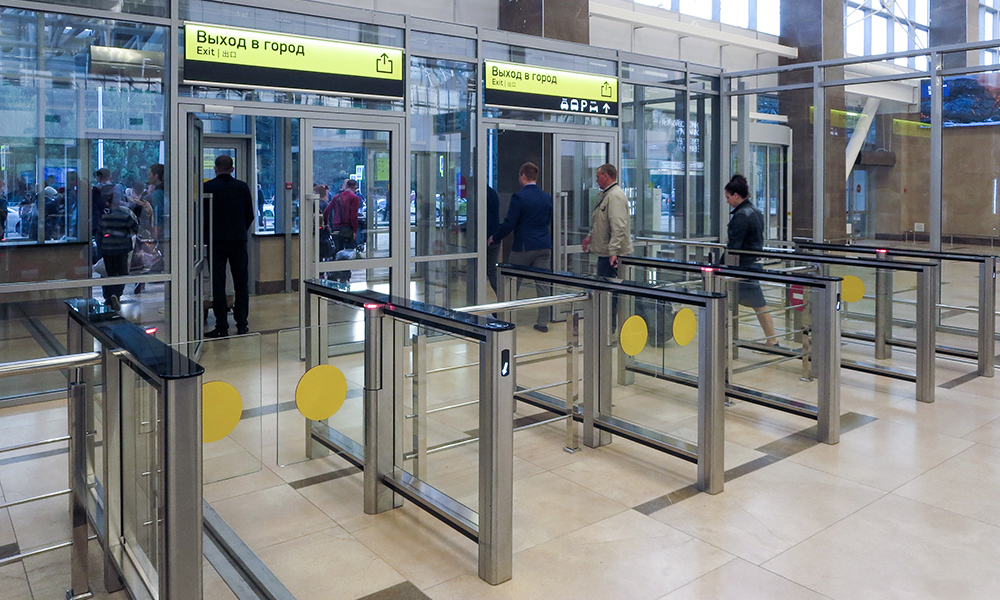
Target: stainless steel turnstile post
x,y
883,311
825,346
596,367
496,457
711,396
378,409
926,331
987,315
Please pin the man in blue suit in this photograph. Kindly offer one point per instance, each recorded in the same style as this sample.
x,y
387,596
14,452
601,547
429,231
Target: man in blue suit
x,y
529,216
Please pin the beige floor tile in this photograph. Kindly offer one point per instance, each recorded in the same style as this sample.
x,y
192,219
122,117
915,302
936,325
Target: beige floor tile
x,y
244,484
50,574
14,583
882,454
967,484
543,446
214,588
627,556
34,477
28,415
768,511
342,500
328,565
547,506
898,548
988,434
271,516
418,546
307,468
41,523
742,580
952,413
628,473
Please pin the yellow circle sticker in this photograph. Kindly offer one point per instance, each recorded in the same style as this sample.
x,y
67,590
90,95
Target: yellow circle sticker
x,y
321,392
221,409
852,289
633,335
685,326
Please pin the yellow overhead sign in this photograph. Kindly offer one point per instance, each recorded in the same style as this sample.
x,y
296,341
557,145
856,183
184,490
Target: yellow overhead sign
x,y
251,58
512,84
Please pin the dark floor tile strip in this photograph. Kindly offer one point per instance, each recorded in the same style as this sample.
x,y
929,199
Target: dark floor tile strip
x,y
750,467
959,380
519,422
27,457
267,409
773,452
651,506
8,550
400,591
308,481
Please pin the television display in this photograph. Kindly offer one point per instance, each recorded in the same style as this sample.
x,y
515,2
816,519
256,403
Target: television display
x,y
966,101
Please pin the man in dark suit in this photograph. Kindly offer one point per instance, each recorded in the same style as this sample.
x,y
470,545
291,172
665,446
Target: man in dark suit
x,y
529,216
232,216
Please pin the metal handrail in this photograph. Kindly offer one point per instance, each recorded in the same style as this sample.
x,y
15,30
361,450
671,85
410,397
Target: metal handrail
x,y
681,242
50,363
541,302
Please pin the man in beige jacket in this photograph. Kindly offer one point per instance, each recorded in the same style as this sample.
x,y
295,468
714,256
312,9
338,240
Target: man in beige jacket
x,y
610,235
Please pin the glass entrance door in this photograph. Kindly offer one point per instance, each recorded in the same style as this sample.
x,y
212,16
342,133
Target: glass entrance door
x,y
197,249
568,165
357,227
578,194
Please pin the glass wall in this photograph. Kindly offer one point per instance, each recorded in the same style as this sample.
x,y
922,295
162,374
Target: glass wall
x,y
94,103
443,189
669,151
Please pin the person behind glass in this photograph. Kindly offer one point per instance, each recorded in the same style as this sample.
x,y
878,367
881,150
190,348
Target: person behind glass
x,y
492,224
746,232
529,216
341,216
118,225
610,235
232,216
3,207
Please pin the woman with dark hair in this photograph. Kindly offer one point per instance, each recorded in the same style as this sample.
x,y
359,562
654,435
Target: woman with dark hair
x,y
746,232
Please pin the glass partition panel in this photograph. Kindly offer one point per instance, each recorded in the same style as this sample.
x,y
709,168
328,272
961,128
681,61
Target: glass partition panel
x,y
87,126
970,186
344,341
653,158
33,325
142,423
352,168
445,283
440,437
443,190
233,364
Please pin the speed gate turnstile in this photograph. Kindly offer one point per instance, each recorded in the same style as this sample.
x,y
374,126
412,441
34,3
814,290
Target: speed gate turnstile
x,y
985,332
821,339
597,417
927,273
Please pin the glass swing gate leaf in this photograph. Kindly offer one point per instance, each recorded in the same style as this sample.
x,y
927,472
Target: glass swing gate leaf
x,y
197,248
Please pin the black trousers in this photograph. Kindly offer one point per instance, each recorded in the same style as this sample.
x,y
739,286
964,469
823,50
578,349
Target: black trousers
x,y
235,253
116,265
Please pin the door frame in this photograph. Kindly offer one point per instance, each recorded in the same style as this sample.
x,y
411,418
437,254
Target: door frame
x,y
560,132
182,287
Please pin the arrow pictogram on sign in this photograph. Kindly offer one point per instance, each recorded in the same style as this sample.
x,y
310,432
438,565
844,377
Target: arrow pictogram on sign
x,y
606,90
383,64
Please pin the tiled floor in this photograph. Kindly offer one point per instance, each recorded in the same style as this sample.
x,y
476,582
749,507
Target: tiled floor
x,y
904,507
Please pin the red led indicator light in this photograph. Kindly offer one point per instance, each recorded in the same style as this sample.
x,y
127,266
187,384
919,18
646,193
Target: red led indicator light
x,y
150,330
372,305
